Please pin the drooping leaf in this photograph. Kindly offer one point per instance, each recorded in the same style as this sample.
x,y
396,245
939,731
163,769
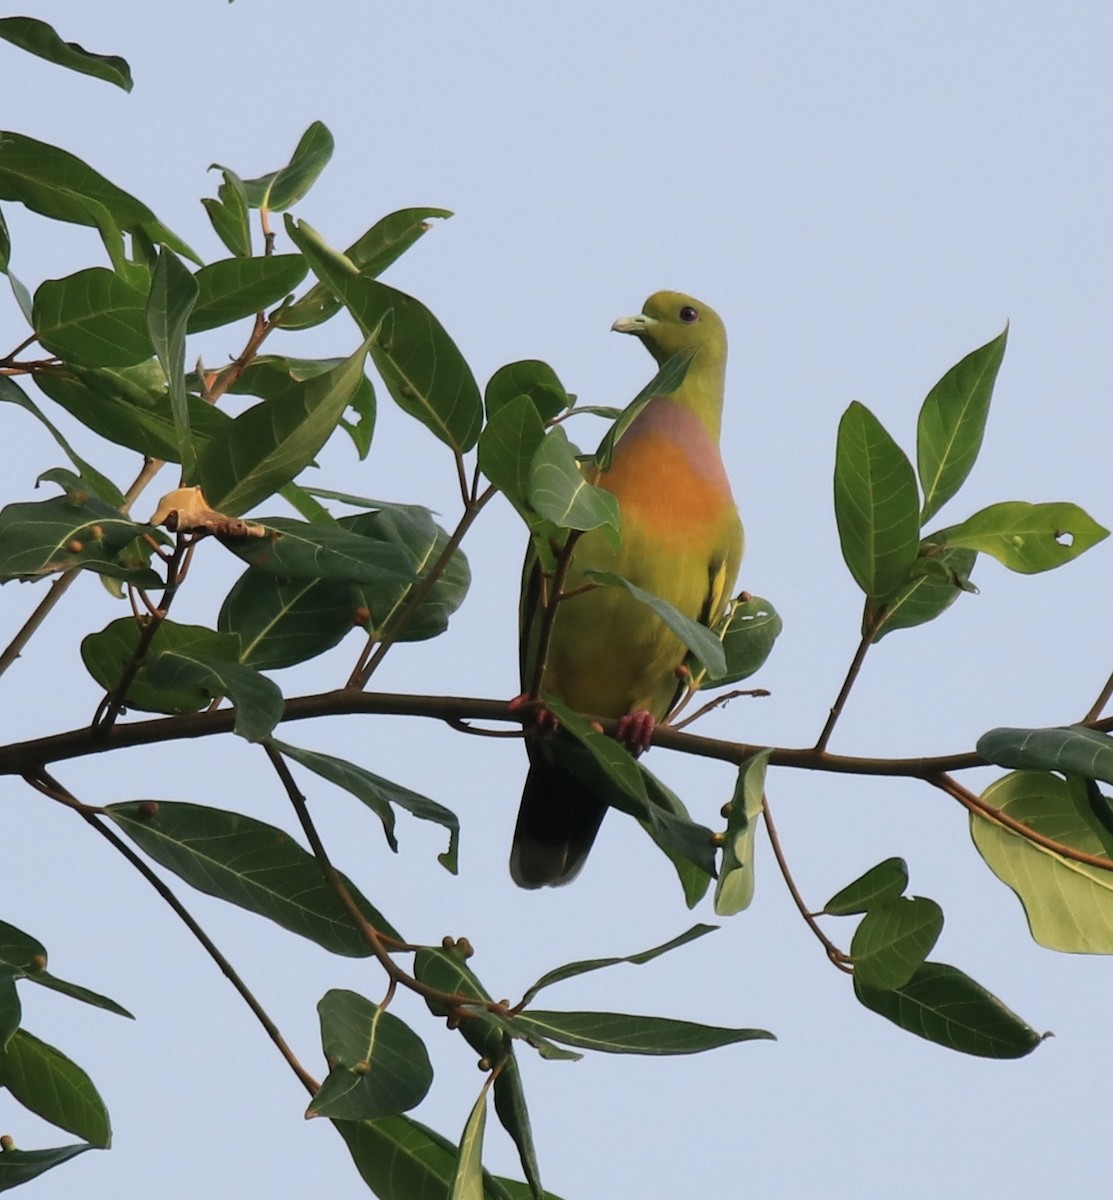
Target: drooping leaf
x,y
93,318
53,1087
943,1005
625,1033
467,1182
507,446
559,492
39,38
734,889
1028,537
928,594
173,295
1069,904
878,885
21,1166
234,288
271,443
876,503
378,1065
307,550
229,215
952,422
696,637
893,939
748,632
1072,749
250,864
531,378
371,254
379,795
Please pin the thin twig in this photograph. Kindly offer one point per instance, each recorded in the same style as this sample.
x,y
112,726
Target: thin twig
x,y
51,787
717,702
1099,704
462,479
844,691
837,956
553,594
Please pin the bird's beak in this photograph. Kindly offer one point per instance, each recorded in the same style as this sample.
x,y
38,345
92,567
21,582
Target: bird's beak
x,y
638,325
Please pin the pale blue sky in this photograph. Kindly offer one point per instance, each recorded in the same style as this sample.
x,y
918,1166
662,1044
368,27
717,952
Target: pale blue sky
x,y
865,192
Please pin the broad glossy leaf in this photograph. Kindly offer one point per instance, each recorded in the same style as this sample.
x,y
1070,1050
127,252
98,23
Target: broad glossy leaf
x,y
926,595
57,535
695,877
251,864
45,1081
280,622
39,38
671,375
93,318
507,445
234,288
571,970
58,185
893,939
21,1166
229,215
531,378
269,444
698,638
173,295
952,422
283,188
559,492
1069,904
878,885
380,795
467,1182
130,406
1072,749
20,951
1028,537
625,1033
371,254
876,503
378,1065
734,889
420,364
308,550
752,626
945,1006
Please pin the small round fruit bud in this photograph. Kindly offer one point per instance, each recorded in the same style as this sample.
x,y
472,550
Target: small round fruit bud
x,y
38,963
148,810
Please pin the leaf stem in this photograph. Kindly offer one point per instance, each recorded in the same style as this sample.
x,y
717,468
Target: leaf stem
x,y
848,683
1100,703
550,593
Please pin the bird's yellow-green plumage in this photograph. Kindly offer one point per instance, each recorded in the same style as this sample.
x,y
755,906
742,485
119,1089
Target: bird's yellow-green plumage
x,y
610,655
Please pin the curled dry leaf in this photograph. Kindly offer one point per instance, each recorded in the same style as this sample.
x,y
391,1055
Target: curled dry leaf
x,y
187,509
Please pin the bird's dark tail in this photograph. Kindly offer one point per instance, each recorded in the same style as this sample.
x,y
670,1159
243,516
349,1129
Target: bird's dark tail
x,y
557,823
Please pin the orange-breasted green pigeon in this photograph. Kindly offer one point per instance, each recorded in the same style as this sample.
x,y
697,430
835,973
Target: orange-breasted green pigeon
x,y
610,655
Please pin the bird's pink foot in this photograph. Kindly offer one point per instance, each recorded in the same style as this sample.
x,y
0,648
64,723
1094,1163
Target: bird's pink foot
x,y
543,719
635,730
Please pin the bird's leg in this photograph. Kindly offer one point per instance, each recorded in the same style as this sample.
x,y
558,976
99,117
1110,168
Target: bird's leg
x,y
543,719
635,730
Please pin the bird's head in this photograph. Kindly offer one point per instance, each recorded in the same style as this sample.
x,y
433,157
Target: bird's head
x,y
671,322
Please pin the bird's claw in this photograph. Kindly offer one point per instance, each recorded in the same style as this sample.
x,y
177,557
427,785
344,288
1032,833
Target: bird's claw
x,y
543,720
635,730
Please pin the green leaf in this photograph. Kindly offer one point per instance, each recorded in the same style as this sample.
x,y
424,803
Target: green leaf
x,y
271,443
571,970
45,1081
401,1159
624,1033
11,1013
420,364
952,423
250,864
695,876
747,632
281,189
102,487
507,446
671,375
76,992
698,638
944,577
379,795
173,295
893,939
234,288
21,1166
19,950
1069,905
306,550
93,318
879,885
467,1182
57,535
39,38
559,492
531,378
1072,749
57,185
280,622
876,504
734,889
1027,537
945,1006
385,242
24,957
229,215
378,1065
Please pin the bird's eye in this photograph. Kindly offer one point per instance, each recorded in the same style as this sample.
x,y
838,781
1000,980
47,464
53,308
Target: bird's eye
x,y
688,314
